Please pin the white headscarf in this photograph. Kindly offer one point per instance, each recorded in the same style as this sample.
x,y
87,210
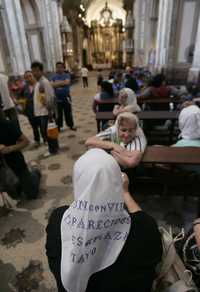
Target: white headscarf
x,y
189,122
95,227
132,118
131,102
5,94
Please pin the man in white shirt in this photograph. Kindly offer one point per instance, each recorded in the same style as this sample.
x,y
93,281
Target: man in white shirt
x,y
43,99
6,101
84,74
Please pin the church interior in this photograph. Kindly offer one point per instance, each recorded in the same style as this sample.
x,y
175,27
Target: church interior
x,y
96,65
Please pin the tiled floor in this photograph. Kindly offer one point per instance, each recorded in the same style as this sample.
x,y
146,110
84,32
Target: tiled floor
x,y
23,263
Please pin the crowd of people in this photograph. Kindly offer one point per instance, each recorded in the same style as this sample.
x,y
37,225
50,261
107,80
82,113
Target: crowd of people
x,y
99,242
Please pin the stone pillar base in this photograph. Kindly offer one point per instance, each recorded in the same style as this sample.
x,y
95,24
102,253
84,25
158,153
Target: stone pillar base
x,y
194,75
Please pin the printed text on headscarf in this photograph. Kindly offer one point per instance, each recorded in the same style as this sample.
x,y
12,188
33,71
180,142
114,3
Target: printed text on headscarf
x,y
101,231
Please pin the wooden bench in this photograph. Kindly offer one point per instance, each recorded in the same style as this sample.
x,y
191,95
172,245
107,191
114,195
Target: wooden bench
x,y
143,115
108,101
106,105
154,100
172,155
161,168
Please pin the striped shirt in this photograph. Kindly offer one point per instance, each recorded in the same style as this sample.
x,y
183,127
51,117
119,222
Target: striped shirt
x,y
138,143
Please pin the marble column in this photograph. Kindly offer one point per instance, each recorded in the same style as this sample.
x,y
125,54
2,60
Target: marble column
x,y
143,26
52,17
165,36
194,73
56,30
15,33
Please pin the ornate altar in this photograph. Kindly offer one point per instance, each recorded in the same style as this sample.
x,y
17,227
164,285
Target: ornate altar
x,y
106,37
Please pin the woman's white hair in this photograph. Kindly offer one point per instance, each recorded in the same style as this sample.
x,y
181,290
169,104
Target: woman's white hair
x,y
127,116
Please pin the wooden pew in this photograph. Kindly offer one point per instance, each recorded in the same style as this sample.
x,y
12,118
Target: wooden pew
x,y
108,101
154,100
172,155
143,115
162,169
106,105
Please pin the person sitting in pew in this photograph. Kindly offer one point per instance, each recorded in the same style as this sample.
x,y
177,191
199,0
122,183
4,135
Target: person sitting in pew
x,y
189,126
98,244
127,102
158,88
125,140
106,93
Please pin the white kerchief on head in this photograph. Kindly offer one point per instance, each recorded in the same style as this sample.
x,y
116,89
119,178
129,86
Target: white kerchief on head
x,y
132,99
95,227
130,117
189,122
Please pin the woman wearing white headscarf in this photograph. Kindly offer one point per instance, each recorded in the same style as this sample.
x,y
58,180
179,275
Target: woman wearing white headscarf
x,y
189,126
125,140
95,244
127,102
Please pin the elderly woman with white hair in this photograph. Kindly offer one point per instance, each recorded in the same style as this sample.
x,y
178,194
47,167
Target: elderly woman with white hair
x,y
127,102
125,140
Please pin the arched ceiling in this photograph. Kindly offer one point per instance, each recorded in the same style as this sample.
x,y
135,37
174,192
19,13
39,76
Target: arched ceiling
x,y
93,8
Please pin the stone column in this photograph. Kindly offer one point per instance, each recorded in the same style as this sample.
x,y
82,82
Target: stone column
x,y
56,30
194,73
144,29
46,21
52,35
166,34
15,33
129,38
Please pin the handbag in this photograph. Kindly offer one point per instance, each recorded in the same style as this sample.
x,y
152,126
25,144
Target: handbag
x,y
8,179
52,131
173,275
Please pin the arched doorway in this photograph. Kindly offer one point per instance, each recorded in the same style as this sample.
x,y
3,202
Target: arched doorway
x,y
33,28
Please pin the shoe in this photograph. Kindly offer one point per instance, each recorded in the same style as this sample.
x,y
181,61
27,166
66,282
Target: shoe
x,y
47,154
36,144
73,128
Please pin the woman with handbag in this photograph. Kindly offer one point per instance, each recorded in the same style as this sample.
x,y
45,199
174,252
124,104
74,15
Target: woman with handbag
x,y
12,141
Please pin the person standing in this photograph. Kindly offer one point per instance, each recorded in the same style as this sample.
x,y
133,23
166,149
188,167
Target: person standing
x,y
43,98
28,93
84,74
6,101
61,84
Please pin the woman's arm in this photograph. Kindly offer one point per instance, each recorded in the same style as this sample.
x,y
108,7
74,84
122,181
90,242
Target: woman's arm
x,y
22,142
129,201
116,110
196,228
128,159
95,142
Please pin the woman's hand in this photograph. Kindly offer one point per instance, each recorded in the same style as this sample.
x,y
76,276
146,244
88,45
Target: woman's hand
x,y
116,110
5,149
131,205
125,180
